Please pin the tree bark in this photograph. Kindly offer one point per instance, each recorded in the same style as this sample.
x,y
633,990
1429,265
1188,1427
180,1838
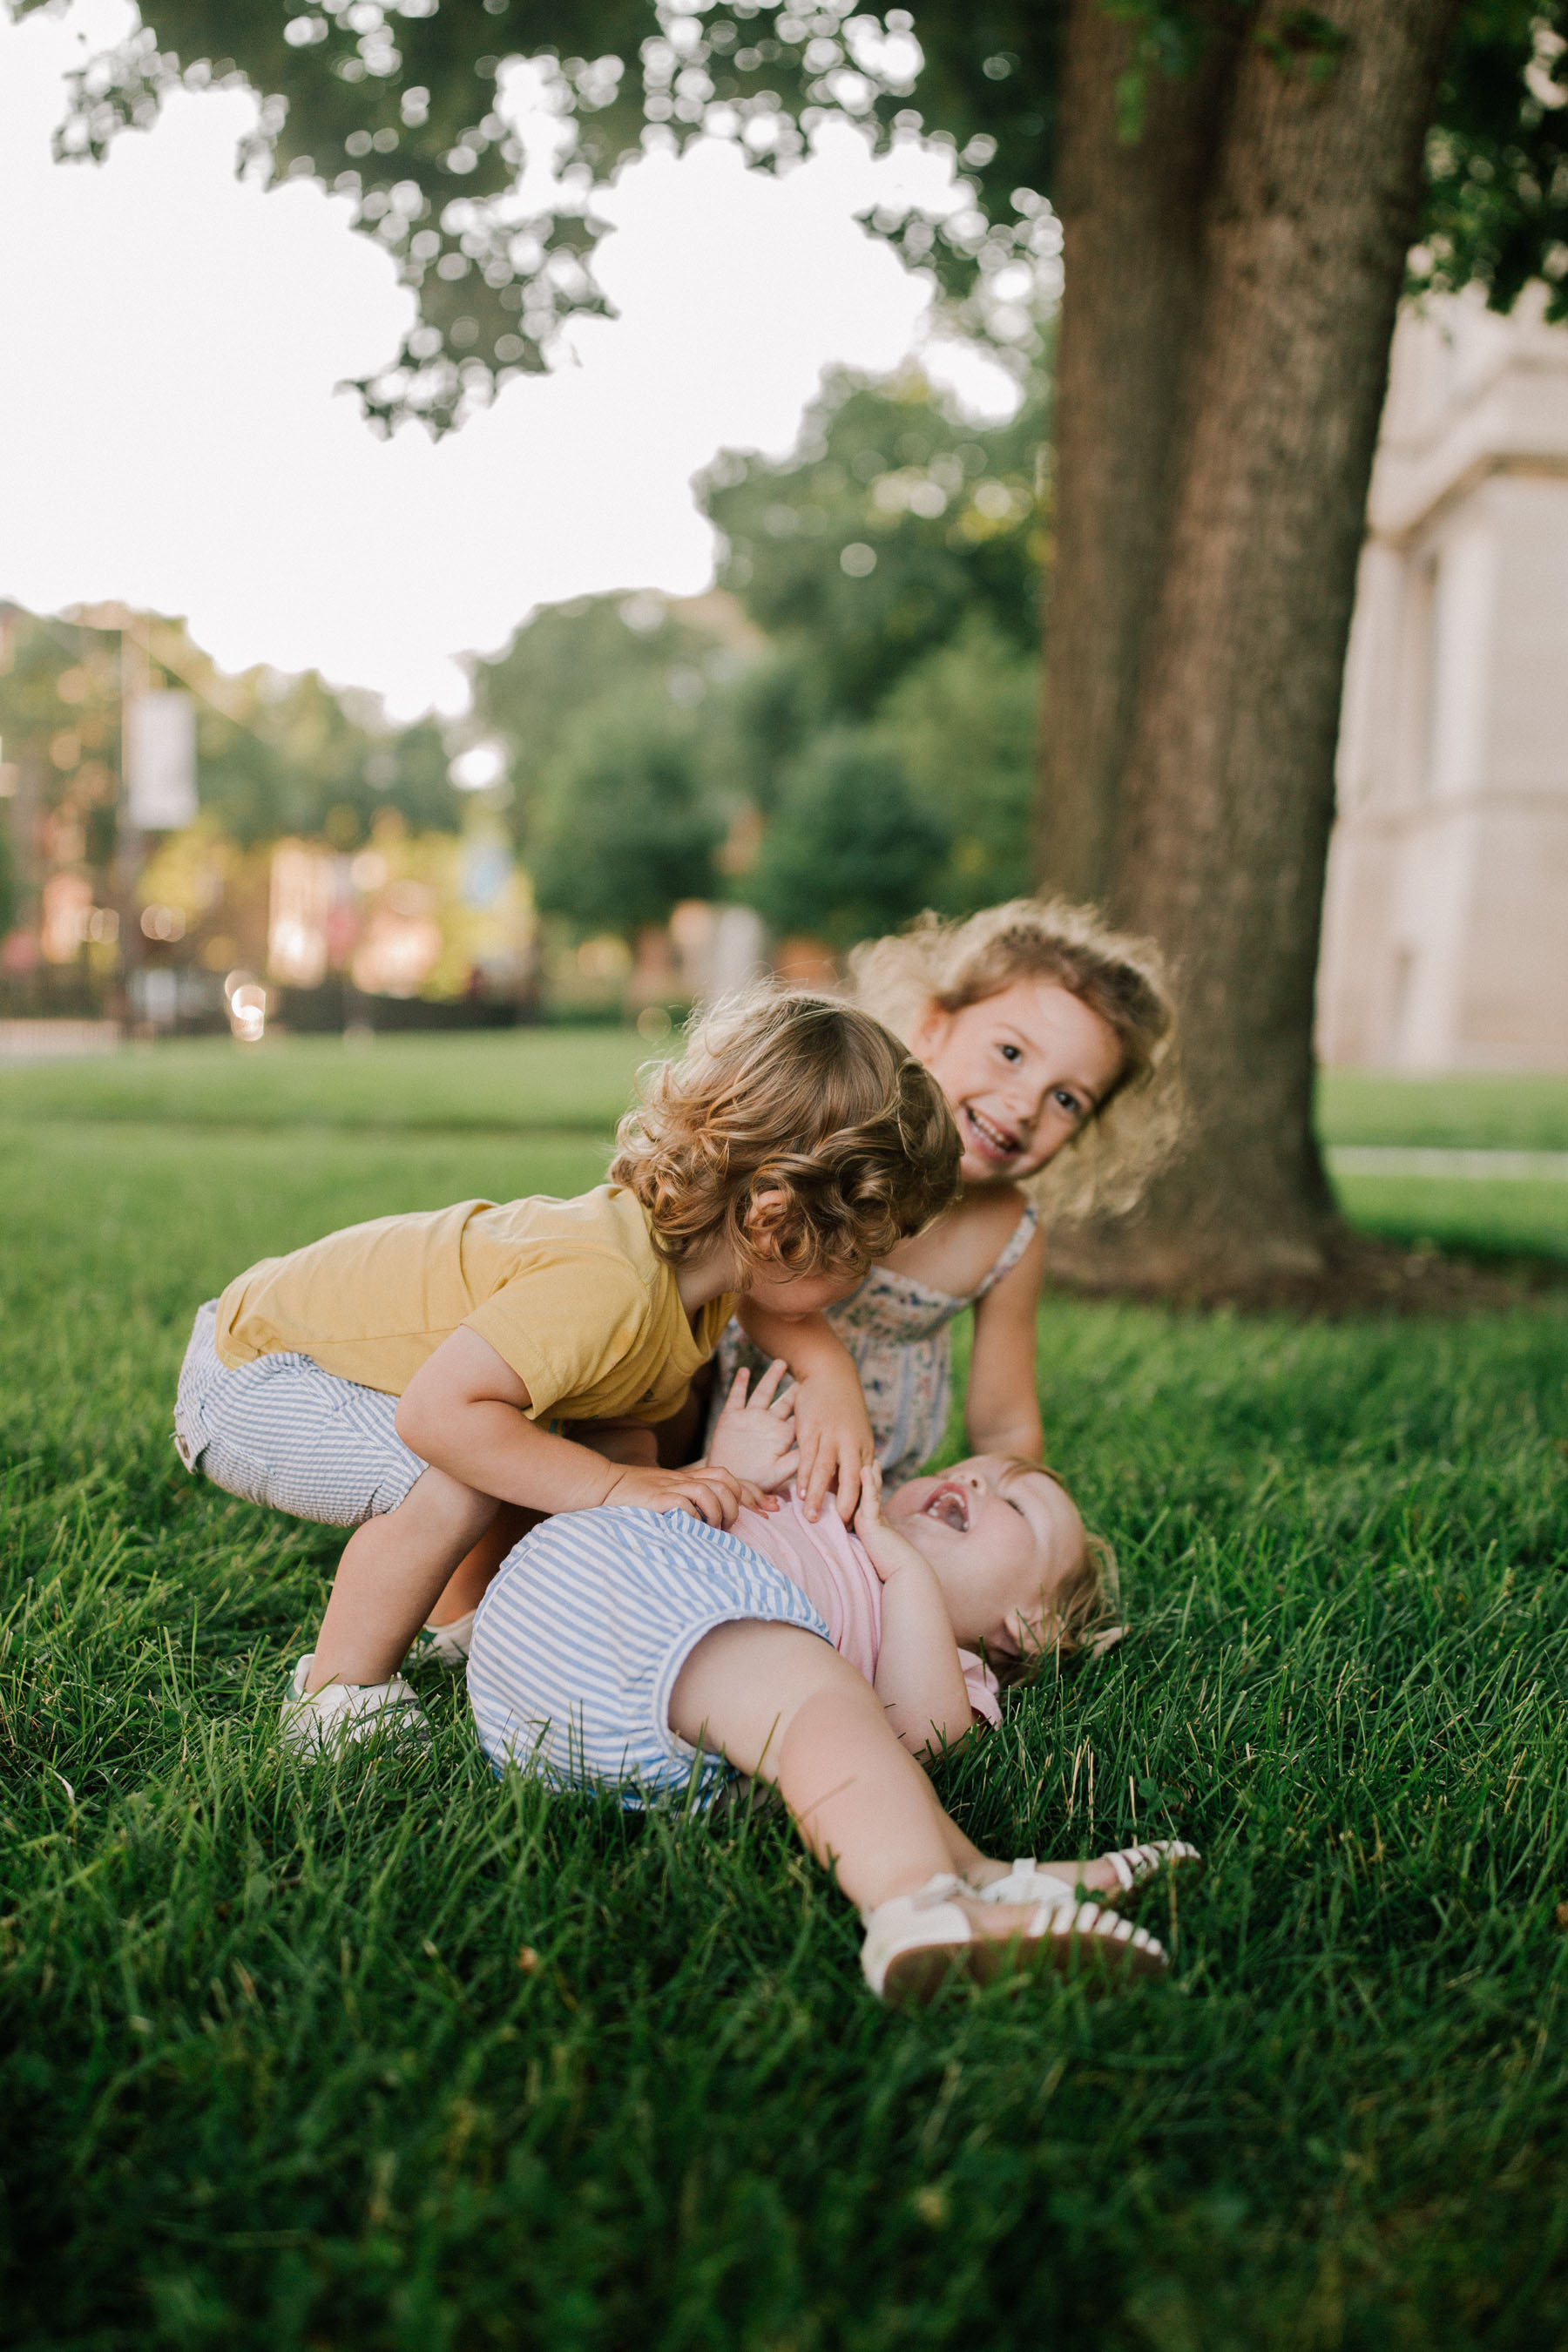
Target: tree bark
x,y
1226,794
1132,213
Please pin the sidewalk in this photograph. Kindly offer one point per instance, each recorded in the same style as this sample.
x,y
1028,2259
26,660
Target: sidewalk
x,y
42,1040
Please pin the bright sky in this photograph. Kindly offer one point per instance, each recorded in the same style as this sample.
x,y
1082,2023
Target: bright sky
x,y
169,434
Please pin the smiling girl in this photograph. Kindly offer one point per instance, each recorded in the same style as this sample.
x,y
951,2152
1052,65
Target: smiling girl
x,y
1048,1034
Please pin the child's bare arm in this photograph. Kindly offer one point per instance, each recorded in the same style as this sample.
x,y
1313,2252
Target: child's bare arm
x,y
1002,1410
833,1429
918,1678
466,1412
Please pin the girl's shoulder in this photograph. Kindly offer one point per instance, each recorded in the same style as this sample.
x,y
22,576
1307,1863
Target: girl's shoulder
x,y
960,1253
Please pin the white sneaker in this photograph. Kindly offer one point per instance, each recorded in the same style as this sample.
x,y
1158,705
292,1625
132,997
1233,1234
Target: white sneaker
x,y
344,1715
914,1943
443,1645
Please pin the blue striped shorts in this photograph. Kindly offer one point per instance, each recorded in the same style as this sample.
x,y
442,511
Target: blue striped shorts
x,y
281,1431
578,1643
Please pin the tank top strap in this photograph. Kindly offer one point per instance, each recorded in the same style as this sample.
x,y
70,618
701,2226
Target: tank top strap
x,y
1018,1241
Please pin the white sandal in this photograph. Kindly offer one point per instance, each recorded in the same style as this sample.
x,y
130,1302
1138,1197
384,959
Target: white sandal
x,y
344,1715
1134,1865
915,1942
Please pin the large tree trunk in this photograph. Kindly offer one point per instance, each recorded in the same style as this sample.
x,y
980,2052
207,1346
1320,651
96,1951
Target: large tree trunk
x,y
1132,212
1227,790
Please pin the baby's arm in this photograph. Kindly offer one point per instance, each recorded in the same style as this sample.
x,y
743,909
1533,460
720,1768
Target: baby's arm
x,y
465,1411
1002,1411
833,1429
918,1678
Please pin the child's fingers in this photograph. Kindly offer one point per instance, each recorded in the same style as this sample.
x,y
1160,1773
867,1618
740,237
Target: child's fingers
x,y
849,1472
711,1494
768,1384
737,1386
817,1465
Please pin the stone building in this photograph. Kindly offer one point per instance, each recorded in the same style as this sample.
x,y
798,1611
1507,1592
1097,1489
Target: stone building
x,y
1445,922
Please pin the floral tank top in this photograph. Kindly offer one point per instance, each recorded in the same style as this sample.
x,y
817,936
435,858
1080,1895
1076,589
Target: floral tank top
x,y
897,1331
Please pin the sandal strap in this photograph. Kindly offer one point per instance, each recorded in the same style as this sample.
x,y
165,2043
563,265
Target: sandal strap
x,y
1135,1864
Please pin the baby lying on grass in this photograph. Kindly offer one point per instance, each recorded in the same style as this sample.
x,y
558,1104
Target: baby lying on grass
x,y
641,1654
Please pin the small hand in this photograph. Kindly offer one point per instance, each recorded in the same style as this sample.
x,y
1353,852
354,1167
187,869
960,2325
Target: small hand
x,y
889,1550
754,1437
833,1432
703,1490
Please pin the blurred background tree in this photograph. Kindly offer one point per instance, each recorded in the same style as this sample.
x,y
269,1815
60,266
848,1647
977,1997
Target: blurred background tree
x,y
876,624
10,895
852,849
894,523
623,828
297,758
278,757
568,658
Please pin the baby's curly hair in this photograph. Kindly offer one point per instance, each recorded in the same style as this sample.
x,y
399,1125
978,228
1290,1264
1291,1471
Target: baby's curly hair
x,y
1108,1162
792,1117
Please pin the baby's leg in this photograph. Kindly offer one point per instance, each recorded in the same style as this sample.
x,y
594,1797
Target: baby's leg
x,y
391,1571
777,1701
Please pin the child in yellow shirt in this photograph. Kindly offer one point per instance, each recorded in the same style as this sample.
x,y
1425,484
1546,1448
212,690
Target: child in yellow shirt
x,y
408,1377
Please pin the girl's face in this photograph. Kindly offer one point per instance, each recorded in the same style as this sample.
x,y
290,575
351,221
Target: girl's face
x,y
1023,1070
1001,1538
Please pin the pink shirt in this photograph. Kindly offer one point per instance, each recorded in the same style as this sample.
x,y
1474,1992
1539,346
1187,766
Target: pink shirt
x,y
834,1571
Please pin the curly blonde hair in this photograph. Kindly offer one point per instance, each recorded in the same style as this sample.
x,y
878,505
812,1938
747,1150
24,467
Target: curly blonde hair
x,y
796,1130
1133,1130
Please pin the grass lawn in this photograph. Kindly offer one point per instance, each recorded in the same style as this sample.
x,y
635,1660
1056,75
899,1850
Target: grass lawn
x,y
1469,1111
395,2055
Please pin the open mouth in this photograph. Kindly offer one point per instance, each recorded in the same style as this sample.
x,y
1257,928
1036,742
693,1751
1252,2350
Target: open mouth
x,y
949,1504
994,1141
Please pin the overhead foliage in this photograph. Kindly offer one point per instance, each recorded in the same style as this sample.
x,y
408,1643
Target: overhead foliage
x,y
405,109
403,106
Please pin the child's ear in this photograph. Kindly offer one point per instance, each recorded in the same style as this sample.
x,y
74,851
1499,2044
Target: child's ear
x,y
766,1212
1023,1633
927,1029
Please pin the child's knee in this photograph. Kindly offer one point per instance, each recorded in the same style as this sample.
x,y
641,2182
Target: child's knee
x,y
444,1506
754,1671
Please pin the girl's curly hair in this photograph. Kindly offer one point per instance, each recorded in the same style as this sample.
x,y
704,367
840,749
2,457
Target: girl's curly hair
x,y
1133,1130
795,1129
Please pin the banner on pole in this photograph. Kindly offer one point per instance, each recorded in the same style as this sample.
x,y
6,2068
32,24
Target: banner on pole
x,y
160,761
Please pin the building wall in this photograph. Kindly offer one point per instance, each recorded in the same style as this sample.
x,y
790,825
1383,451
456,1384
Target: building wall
x,y
1445,922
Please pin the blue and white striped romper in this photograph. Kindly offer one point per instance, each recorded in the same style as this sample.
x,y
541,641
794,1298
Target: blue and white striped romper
x,y
578,1643
282,1431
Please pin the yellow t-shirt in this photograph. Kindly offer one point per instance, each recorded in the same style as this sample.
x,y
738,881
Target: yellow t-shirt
x,y
572,1294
